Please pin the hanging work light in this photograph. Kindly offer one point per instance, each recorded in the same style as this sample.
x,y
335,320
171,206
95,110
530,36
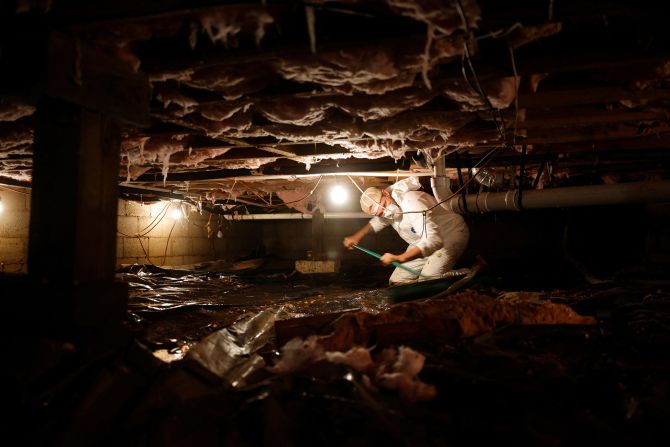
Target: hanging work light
x,y
338,194
176,213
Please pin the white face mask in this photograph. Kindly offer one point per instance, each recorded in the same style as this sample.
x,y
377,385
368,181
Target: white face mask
x,y
390,210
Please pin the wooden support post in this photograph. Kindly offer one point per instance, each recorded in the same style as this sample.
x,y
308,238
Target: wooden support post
x,y
74,198
83,94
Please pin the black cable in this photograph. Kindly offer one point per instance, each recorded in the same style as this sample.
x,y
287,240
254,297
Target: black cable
x,y
541,169
522,170
462,186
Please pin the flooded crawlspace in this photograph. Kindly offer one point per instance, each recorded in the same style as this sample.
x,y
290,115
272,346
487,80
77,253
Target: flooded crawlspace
x,y
280,358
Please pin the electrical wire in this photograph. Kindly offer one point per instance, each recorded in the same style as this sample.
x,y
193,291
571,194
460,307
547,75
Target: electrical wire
x,y
516,95
486,159
230,193
300,199
466,58
167,243
146,255
154,223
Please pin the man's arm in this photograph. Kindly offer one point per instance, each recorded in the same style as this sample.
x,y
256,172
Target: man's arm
x,y
355,238
410,254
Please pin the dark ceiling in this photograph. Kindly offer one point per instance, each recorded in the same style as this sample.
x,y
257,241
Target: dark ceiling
x,y
259,101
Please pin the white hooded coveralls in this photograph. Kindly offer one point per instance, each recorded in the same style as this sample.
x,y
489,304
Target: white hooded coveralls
x,y
441,235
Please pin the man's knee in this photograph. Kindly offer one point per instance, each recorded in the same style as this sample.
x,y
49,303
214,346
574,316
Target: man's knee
x,y
401,282
401,277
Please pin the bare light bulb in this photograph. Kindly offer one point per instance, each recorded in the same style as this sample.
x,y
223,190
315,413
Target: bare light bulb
x,y
176,214
219,233
338,194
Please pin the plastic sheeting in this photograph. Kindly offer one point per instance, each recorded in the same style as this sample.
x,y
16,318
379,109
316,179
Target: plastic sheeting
x,y
153,289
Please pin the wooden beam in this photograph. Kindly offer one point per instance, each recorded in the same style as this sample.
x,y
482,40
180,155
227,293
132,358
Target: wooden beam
x,y
575,118
83,75
590,134
569,58
223,58
594,95
74,195
289,169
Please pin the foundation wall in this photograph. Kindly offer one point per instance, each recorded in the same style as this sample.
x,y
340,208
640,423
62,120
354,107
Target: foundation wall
x,y
598,240
14,228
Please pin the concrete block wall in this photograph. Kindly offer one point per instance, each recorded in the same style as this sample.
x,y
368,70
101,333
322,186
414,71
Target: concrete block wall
x,y
291,239
147,234
14,228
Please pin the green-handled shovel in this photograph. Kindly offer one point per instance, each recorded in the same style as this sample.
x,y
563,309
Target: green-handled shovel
x,y
394,263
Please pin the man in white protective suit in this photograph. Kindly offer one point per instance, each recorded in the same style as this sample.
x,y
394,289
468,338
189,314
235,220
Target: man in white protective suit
x,y
437,237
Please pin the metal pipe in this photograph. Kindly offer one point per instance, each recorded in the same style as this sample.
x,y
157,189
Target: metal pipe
x,y
620,193
439,182
295,216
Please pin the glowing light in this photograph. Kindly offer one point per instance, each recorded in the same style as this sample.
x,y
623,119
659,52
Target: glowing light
x,y
2,207
338,194
176,214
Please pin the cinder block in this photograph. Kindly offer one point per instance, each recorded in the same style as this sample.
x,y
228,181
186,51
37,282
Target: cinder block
x,y
138,209
128,225
132,247
180,246
120,262
14,201
13,250
161,208
157,247
170,261
311,266
161,228
195,259
15,224
202,247
14,267
180,228
198,228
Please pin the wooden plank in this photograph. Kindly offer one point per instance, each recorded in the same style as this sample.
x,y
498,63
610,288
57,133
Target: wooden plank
x,y
74,197
97,196
594,95
579,118
83,75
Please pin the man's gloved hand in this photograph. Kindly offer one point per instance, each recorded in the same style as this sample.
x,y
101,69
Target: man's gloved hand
x,y
349,242
388,258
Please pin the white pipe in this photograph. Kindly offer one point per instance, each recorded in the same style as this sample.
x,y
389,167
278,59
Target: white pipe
x,y
620,193
439,183
262,178
296,216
